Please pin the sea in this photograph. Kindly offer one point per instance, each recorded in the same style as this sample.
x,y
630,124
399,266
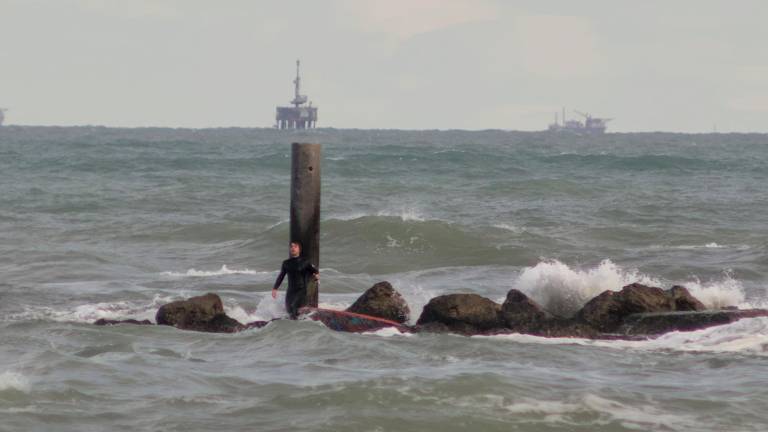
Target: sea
x,y
113,223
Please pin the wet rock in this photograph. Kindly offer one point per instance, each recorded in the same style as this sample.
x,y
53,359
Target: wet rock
x,y
653,324
461,313
520,313
562,328
683,300
202,313
106,322
381,300
607,311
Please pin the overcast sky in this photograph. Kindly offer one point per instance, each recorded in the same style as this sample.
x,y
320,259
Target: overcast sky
x,y
686,65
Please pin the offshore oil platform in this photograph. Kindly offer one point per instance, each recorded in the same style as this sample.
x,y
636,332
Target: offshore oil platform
x,y
2,115
297,116
590,125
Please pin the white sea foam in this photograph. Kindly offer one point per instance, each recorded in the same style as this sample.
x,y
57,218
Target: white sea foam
x,y
711,245
14,381
509,227
406,214
638,416
224,270
266,310
349,216
563,290
389,332
749,335
278,223
90,312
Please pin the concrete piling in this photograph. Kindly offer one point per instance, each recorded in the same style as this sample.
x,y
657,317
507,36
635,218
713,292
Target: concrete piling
x,y
305,206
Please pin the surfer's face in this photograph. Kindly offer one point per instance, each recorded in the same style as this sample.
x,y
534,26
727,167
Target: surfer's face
x,y
295,249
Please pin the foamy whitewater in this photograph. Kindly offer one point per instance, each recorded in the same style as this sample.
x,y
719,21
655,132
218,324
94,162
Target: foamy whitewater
x,y
113,223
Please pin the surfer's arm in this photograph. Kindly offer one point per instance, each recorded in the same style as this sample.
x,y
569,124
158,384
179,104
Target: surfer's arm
x,y
279,278
314,271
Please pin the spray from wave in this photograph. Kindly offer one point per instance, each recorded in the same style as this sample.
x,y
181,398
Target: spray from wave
x,y
563,290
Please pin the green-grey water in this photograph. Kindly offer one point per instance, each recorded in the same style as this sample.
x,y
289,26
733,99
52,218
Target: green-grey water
x,y
112,223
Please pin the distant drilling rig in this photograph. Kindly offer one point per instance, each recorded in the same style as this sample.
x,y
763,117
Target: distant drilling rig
x,y
297,116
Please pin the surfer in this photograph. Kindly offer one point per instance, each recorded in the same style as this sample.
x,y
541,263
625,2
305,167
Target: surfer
x,y
298,270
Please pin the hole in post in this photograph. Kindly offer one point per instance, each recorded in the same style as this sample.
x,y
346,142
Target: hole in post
x,y
310,168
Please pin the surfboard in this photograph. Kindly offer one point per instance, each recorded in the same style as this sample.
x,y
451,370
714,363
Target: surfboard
x,y
350,321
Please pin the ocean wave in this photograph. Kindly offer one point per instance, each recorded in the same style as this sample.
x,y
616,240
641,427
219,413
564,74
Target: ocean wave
x,y
748,335
223,271
640,162
88,313
563,290
635,416
710,245
405,214
14,381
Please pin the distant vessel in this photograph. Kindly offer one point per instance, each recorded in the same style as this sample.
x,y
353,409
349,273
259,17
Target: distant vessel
x,y
297,116
590,125
2,115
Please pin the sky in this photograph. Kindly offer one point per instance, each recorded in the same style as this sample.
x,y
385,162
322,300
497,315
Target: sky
x,y
672,65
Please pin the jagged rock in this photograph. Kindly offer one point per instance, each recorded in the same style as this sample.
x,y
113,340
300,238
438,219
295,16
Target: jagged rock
x,y
202,313
106,322
607,311
461,313
381,300
520,313
683,300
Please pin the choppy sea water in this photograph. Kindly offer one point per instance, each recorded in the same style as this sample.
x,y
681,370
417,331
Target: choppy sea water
x,y
112,223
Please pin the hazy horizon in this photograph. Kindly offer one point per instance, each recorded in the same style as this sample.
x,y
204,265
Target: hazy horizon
x,y
688,66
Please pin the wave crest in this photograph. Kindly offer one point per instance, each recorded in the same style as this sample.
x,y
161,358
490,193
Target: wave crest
x,y
224,270
563,290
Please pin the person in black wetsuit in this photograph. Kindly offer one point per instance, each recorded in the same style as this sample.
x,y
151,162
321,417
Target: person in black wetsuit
x,y
298,270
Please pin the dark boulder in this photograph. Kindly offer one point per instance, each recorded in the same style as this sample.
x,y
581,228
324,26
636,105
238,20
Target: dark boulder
x,y
107,322
381,300
202,313
607,311
520,313
653,324
461,313
563,328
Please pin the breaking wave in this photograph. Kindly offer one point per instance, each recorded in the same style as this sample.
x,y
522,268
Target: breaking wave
x,y
14,381
563,290
224,270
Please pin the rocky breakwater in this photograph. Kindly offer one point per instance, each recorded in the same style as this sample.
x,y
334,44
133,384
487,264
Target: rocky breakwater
x,y
635,311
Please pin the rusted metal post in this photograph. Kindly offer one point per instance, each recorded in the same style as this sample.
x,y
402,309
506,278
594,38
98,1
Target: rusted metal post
x,y
305,206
